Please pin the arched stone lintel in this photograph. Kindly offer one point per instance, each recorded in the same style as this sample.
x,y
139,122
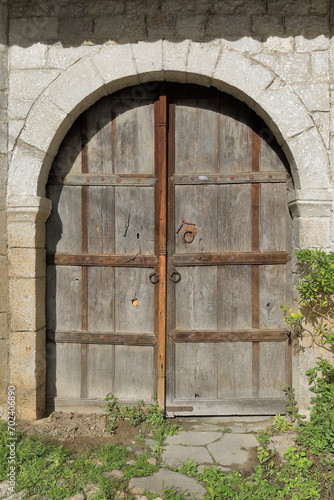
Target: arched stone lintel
x,y
115,67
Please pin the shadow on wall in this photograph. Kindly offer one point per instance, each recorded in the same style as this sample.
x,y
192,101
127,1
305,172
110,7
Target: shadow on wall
x,y
122,21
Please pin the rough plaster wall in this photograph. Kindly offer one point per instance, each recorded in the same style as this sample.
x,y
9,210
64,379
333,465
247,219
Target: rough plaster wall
x,y
3,182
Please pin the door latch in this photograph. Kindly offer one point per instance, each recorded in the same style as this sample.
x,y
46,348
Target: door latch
x,y
189,231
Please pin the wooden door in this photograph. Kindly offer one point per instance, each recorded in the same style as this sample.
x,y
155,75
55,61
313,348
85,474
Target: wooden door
x,y
121,282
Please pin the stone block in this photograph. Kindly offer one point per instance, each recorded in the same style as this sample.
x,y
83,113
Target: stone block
x,y
26,262
3,285
314,232
319,7
244,75
288,7
228,26
103,7
33,56
75,28
160,26
39,29
19,108
3,137
310,156
202,60
14,129
138,7
310,26
26,234
27,298
148,60
116,66
122,29
323,122
83,86
174,56
24,170
190,27
290,67
62,57
186,7
243,44
278,44
46,126
314,96
268,25
3,232
303,44
320,65
229,7
30,83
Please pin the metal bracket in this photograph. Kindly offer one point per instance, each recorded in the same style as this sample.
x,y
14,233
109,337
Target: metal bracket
x,y
189,231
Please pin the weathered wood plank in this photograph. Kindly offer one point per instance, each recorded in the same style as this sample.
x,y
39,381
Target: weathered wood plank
x,y
234,362
195,124
84,259
68,370
237,335
68,159
134,373
196,299
62,234
229,178
230,258
104,180
234,216
198,205
274,218
133,136
99,148
122,338
134,230
272,370
234,297
195,371
101,301
273,295
101,220
100,370
235,140
134,307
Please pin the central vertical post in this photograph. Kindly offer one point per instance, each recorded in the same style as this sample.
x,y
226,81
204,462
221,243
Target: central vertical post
x,y
162,239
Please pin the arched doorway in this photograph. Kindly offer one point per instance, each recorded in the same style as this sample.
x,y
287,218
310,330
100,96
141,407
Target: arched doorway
x,y
168,255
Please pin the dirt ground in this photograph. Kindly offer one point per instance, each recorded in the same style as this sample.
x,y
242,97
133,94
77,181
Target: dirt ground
x,y
81,432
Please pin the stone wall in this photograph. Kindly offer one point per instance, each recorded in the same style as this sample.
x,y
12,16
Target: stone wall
x,y
276,55
3,183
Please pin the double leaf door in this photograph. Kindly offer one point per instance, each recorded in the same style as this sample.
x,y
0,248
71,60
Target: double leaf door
x,y
168,256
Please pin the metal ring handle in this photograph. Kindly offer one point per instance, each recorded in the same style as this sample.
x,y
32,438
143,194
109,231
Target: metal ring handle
x,y
177,277
154,278
188,237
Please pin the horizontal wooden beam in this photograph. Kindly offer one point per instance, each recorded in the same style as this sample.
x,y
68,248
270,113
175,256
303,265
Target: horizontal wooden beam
x,y
143,180
230,258
113,260
251,335
100,338
230,178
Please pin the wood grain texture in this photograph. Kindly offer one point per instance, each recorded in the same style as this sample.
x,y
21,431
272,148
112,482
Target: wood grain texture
x,y
272,370
234,361
99,147
101,220
134,373
68,370
100,370
273,295
274,218
235,141
234,297
101,299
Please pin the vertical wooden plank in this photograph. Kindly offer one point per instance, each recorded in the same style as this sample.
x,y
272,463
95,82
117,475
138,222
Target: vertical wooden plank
x,y
133,301
134,137
271,156
134,371
196,371
235,140
100,370
272,296
234,218
99,149
195,125
101,290
66,281
197,204
234,361
256,369
134,225
101,220
274,217
272,369
196,298
68,370
234,297
255,297
68,159
62,234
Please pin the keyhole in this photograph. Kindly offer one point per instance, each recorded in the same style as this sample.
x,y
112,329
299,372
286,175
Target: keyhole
x,y
137,236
